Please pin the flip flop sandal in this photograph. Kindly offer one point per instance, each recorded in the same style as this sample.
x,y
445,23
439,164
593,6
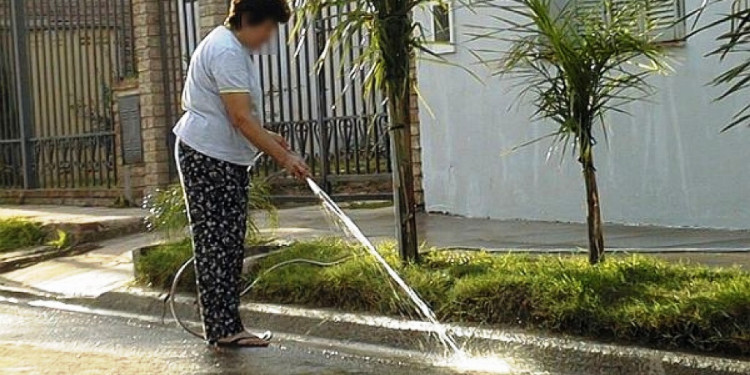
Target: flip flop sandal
x,y
244,342
267,335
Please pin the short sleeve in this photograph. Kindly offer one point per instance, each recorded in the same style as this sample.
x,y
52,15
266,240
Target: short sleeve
x,y
231,72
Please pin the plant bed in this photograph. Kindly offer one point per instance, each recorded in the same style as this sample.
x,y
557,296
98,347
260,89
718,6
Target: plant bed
x,y
633,299
156,265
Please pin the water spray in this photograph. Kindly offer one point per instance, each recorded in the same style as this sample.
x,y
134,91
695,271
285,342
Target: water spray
x,y
330,206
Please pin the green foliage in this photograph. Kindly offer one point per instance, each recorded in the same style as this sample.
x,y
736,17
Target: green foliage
x,y
18,233
733,42
62,241
392,37
629,299
158,265
167,211
576,64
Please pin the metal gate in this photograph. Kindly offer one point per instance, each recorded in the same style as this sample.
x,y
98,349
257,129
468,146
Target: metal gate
x,y
59,60
325,114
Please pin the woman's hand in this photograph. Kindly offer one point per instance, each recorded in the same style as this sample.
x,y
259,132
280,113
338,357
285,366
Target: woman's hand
x,y
278,138
295,166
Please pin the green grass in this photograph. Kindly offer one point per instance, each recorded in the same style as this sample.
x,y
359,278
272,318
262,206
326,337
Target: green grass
x,y
629,299
633,299
158,265
19,233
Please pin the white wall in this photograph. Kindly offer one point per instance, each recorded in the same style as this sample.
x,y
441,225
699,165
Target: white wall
x,y
668,164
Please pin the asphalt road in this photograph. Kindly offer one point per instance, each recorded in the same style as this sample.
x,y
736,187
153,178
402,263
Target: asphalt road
x,y
38,339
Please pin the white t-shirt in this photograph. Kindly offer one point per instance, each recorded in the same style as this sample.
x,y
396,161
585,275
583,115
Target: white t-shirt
x,y
220,65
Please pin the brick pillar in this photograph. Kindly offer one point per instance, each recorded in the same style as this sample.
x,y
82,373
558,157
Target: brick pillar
x,y
416,145
150,63
212,13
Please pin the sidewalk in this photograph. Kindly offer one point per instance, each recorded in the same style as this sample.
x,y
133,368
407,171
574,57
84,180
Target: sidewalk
x,y
70,214
439,230
453,231
104,269
110,265
84,224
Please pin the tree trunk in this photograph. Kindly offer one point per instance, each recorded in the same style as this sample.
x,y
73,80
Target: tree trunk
x,y
403,177
394,33
594,217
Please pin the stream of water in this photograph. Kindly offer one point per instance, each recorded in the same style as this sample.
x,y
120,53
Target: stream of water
x,y
439,329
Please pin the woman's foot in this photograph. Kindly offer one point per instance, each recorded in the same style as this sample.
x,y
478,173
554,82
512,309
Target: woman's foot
x,y
245,339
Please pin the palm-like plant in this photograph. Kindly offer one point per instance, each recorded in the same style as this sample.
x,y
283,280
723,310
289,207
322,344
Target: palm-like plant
x,y
735,41
386,57
576,65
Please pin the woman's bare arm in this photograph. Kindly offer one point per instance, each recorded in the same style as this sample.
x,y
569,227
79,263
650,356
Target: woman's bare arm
x,y
239,108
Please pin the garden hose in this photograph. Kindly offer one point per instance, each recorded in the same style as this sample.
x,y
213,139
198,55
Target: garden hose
x,y
178,276
170,298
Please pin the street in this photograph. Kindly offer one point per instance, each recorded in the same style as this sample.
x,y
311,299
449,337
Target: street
x,y
44,340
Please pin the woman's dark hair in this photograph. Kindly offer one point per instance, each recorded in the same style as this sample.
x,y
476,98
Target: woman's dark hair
x,y
254,12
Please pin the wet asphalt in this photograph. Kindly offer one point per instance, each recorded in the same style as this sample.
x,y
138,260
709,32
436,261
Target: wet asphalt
x,y
44,340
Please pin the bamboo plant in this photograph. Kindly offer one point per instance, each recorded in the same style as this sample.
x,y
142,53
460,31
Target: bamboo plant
x,y
576,64
392,39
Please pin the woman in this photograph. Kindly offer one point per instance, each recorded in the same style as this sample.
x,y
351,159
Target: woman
x,y
218,138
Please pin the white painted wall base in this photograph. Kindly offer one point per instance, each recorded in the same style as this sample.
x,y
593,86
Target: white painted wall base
x,y
668,164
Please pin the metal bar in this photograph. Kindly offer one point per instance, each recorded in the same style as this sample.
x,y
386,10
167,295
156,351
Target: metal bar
x,y
47,111
102,87
58,89
319,43
279,77
118,17
82,157
71,89
80,94
289,85
21,58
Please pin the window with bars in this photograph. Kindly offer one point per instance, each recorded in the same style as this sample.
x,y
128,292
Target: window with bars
x,y
441,28
666,16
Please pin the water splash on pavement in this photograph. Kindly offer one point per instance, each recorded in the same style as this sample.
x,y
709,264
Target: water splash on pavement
x,y
439,329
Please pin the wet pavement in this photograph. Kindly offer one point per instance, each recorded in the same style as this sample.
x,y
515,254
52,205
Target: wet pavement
x,y
39,340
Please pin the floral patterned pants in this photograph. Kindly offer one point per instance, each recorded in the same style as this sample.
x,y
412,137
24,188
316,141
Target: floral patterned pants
x,y
216,196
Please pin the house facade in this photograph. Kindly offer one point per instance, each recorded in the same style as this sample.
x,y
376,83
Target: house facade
x,y
667,163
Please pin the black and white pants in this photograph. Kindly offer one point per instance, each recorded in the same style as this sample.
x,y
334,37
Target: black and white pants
x,y
216,195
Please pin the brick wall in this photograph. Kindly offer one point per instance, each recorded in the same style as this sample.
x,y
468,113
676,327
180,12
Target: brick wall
x,y
212,13
155,124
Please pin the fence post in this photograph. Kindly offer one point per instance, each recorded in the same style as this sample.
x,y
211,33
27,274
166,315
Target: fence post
x,y
148,16
320,42
25,116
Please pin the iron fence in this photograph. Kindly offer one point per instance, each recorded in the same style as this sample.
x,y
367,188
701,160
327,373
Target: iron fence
x,y
59,62
323,111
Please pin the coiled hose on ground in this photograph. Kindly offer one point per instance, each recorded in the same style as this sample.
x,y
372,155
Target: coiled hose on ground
x,y
189,263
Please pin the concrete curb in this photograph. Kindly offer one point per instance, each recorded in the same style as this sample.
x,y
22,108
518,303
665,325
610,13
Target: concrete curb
x,y
42,253
555,354
83,236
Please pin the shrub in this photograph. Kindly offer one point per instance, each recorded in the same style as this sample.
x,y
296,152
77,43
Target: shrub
x,y
18,233
167,210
